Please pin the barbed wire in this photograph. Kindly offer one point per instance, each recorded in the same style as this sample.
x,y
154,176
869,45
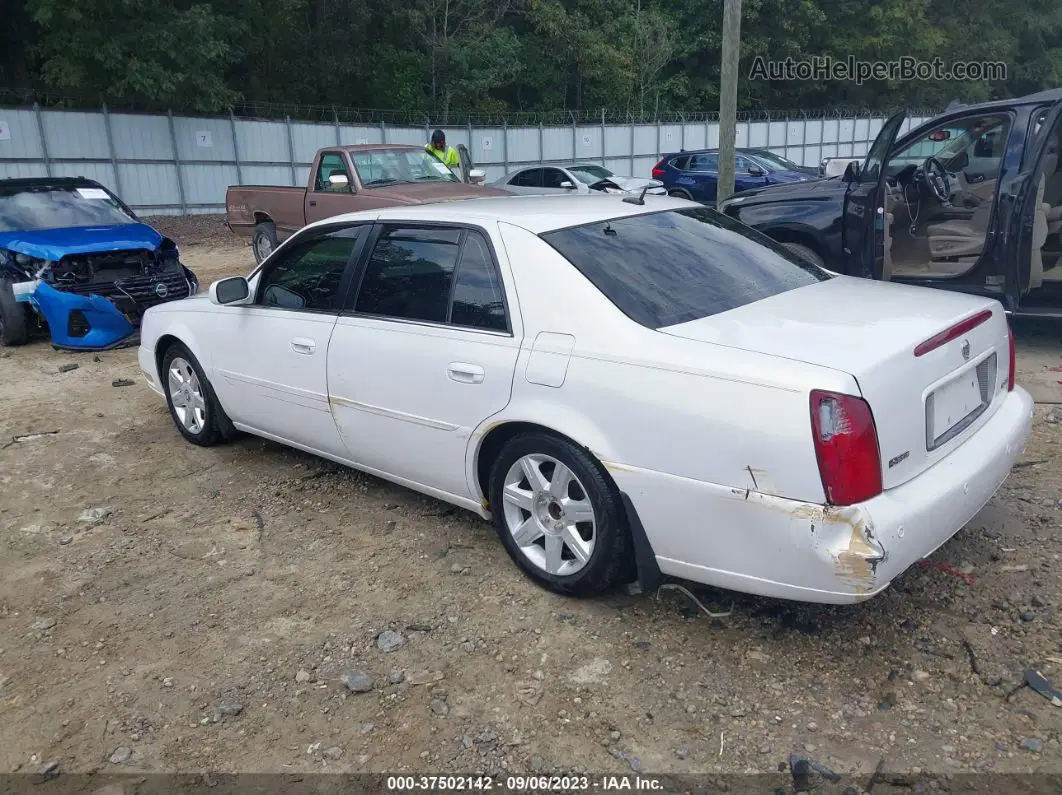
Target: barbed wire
x,y
279,111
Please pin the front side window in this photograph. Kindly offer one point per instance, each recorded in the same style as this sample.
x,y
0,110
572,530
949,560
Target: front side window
x,y
310,273
666,268
435,275
332,164
553,177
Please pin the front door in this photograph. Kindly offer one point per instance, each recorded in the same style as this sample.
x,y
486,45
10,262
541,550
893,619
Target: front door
x,y
863,221
1029,226
331,191
269,357
425,354
743,179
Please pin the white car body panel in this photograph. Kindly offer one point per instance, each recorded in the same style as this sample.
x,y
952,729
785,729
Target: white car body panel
x,y
704,426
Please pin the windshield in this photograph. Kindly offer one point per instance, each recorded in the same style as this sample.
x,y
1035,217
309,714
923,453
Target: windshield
x,y
378,167
775,162
589,174
51,207
665,268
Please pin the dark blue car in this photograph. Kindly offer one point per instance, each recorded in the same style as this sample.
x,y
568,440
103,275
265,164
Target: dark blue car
x,y
695,174
75,259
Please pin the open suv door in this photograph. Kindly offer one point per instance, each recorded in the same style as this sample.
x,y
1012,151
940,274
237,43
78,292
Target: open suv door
x,y
1024,209
863,219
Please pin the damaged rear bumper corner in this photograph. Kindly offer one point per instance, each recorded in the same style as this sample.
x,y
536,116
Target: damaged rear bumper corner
x,y
748,541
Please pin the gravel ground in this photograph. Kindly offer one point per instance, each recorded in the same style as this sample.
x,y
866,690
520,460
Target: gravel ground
x,y
250,608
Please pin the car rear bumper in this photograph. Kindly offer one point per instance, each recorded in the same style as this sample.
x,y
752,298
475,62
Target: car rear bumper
x,y
757,543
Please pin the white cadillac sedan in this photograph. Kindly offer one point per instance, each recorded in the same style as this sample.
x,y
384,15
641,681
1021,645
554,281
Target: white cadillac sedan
x,y
626,389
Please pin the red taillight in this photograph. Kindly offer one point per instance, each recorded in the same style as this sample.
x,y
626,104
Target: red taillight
x,y
1013,358
846,446
946,336
658,170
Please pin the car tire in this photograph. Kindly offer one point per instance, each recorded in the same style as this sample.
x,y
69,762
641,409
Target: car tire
x,y
806,254
536,524
679,193
201,419
263,240
14,329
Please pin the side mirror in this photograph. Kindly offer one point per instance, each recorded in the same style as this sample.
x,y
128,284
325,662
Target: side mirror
x,y
477,176
851,171
233,290
756,171
338,180
567,185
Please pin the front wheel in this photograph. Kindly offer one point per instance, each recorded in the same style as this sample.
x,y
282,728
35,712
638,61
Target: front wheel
x,y
14,330
194,407
558,515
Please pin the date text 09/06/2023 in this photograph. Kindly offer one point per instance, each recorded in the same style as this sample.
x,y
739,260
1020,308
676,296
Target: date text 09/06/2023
x,y
520,784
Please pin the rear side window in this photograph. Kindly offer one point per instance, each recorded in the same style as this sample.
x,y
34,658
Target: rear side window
x,y
409,274
665,268
439,275
477,301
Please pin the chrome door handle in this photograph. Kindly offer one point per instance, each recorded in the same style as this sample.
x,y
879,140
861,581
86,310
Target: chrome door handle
x,y
465,373
303,345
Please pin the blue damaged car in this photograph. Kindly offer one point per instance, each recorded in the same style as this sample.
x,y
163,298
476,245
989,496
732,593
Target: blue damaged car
x,y
76,260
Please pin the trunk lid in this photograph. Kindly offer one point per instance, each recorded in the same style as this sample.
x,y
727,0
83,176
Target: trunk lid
x,y
924,406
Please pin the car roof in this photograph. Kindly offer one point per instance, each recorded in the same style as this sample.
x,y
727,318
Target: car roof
x,y
536,214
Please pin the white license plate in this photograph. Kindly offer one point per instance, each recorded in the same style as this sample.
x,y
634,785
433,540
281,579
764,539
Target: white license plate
x,y
953,402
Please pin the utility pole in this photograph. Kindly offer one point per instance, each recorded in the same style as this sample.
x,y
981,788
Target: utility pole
x,y
728,85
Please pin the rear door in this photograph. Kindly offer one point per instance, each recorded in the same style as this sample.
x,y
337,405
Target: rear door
x,y
424,352
701,177
1026,227
863,220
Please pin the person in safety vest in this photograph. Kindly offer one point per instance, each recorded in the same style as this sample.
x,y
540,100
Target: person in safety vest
x,y
447,155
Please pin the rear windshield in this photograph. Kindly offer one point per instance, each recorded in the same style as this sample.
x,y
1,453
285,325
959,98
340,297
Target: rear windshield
x,y
665,268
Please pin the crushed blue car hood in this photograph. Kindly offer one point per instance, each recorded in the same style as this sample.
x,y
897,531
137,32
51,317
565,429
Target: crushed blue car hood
x,y
54,244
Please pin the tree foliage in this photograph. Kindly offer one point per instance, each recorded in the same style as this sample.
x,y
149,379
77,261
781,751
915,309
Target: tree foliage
x,y
446,57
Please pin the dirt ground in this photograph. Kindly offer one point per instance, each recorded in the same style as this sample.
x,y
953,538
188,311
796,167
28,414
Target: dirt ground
x,y
169,608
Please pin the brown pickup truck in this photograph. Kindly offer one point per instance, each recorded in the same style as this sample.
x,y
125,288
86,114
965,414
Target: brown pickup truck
x,y
346,179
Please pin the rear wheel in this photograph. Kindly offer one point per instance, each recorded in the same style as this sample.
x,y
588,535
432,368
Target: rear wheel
x,y
679,193
264,240
558,515
14,330
194,407
806,254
